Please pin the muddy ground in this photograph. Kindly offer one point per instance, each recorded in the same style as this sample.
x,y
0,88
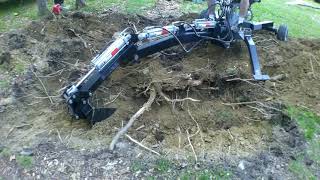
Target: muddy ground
x,y
245,140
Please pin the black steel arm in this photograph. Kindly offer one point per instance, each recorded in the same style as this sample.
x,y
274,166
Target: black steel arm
x,y
255,63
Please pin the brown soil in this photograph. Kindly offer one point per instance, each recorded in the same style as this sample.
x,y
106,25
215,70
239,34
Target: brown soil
x,y
59,52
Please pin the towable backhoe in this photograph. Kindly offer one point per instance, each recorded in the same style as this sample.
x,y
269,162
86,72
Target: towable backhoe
x,y
130,46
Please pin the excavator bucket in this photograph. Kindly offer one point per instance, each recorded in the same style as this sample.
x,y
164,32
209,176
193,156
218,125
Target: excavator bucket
x,y
100,114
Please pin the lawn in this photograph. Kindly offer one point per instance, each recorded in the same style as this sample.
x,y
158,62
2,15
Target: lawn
x,y
303,22
309,124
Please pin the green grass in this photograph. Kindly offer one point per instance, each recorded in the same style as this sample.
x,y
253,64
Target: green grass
x,y
302,21
4,83
136,6
309,123
163,165
25,161
95,5
206,175
301,170
14,15
5,153
19,67
136,166
314,151
190,7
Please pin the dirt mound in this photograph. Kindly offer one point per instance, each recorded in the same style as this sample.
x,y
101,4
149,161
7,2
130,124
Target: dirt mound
x,y
235,118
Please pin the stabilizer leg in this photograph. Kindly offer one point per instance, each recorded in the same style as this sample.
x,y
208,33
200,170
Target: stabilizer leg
x,y
255,63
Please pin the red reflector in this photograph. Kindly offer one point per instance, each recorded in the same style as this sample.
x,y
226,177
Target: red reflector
x,y
115,51
164,32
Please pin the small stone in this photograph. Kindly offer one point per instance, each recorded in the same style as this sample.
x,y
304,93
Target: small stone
x,y
279,77
145,71
308,161
116,35
26,152
269,84
122,145
12,157
278,166
6,101
2,109
151,170
241,165
2,148
183,165
5,57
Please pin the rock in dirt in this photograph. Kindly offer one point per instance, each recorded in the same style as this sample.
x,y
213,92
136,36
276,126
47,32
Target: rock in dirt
x,y
26,152
5,57
6,101
279,77
12,157
241,165
269,84
308,161
122,145
17,40
2,148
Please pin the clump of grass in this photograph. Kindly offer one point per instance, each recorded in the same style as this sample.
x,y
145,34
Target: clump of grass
x,y
308,121
225,118
300,170
138,5
190,7
19,67
25,161
163,165
314,151
4,83
151,178
206,175
5,153
136,166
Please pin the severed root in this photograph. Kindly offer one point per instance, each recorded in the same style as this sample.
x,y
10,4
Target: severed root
x,y
173,100
141,145
144,108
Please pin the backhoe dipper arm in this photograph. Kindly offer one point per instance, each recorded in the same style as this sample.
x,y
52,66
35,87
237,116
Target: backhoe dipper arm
x,y
77,96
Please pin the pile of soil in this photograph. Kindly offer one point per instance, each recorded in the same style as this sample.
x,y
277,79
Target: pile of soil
x,y
236,120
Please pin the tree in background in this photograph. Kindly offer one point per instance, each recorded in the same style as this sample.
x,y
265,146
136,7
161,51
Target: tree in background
x,y
43,8
80,3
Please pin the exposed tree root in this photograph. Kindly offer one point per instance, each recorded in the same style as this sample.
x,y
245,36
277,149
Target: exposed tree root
x,y
159,90
144,108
